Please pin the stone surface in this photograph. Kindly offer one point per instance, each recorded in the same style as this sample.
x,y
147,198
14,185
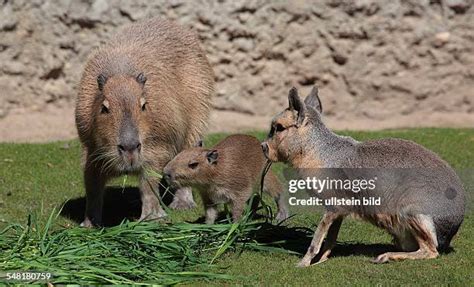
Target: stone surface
x,y
372,60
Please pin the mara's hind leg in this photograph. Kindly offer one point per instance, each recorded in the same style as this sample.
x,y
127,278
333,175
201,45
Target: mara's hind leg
x,y
405,241
422,229
323,227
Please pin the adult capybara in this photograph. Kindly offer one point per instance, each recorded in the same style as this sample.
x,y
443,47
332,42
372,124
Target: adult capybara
x,y
143,97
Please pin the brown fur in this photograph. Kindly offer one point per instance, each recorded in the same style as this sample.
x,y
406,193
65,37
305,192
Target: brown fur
x,y
229,178
177,95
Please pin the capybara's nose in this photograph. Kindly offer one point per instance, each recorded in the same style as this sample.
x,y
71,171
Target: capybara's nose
x,y
130,146
265,148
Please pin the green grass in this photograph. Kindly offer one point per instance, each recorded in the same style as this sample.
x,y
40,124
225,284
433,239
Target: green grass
x,y
35,178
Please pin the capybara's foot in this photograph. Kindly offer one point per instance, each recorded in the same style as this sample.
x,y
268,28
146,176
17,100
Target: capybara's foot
x,y
87,223
153,216
182,204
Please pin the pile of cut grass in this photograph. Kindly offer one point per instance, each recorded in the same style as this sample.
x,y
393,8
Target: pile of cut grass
x,y
130,253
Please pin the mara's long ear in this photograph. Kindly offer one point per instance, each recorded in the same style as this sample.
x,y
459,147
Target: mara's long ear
x,y
295,104
313,101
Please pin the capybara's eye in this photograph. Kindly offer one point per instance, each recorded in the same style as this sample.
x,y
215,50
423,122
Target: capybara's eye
x,y
279,128
144,107
193,165
104,110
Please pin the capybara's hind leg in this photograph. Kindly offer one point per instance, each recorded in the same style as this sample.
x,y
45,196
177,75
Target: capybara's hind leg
x,y
319,234
94,183
183,199
151,207
422,229
238,206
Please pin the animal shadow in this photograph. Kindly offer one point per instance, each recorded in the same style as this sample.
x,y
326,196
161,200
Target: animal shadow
x,y
225,216
119,204
298,239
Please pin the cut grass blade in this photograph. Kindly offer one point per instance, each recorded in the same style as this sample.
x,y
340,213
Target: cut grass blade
x,y
144,253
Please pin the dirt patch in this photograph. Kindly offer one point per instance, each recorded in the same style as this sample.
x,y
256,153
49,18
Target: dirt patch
x,y
55,123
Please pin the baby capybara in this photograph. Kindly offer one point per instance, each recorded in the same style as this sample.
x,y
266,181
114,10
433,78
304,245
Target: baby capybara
x,y
143,97
225,173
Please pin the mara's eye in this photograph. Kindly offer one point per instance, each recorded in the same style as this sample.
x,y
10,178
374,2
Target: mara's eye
x,y
104,109
193,165
279,128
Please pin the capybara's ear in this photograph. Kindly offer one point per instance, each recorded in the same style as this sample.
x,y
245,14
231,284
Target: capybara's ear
x,y
313,101
212,156
295,104
141,79
101,79
198,144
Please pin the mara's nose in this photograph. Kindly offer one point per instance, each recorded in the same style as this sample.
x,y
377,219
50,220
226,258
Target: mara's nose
x,y
130,146
167,176
265,148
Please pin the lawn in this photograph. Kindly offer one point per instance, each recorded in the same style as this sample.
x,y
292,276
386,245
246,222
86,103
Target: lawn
x,y
35,178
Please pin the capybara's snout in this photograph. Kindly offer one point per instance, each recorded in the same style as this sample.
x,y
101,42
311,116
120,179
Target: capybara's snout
x,y
129,139
129,147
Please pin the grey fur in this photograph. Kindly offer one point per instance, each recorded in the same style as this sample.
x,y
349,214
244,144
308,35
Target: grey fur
x,y
419,191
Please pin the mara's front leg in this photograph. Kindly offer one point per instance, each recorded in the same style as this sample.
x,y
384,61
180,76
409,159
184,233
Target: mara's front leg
x,y
94,182
151,207
319,235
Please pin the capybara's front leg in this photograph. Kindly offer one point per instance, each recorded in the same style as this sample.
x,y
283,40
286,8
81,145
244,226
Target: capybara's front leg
x,y
151,207
183,199
210,207
94,183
